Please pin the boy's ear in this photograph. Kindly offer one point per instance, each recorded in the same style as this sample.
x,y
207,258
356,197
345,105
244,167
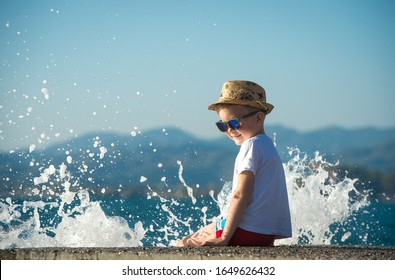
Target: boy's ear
x,y
261,116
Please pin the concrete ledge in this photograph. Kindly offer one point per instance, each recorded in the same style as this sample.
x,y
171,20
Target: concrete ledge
x,y
295,252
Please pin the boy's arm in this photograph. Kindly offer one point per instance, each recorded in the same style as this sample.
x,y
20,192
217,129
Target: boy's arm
x,y
238,204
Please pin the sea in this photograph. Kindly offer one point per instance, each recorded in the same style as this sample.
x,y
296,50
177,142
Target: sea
x,y
325,210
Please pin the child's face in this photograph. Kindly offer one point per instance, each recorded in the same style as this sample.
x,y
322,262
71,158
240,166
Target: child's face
x,y
249,127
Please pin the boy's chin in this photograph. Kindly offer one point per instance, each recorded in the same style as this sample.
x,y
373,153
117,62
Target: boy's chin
x,y
238,142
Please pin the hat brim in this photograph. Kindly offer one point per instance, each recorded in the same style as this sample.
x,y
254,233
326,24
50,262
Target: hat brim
x,y
267,107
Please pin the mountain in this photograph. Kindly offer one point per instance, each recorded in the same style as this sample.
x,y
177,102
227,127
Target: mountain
x,y
105,160
364,147
111,163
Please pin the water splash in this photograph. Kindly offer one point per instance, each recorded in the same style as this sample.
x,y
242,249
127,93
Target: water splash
x,y
189,189
70,219
85,225
321,203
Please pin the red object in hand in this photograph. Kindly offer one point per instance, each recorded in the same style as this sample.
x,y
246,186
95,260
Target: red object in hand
x,y
219,227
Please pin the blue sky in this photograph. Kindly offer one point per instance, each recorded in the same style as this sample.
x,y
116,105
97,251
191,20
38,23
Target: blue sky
x,y
72,67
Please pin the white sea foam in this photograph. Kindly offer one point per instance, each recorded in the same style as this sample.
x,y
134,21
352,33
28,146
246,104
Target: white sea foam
x,y
82,224
32,147
320,204
45,92
143,179
318,199
189,189
103,151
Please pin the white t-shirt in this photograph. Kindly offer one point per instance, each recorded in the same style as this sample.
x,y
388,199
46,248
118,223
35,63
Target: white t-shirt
x,y
268,210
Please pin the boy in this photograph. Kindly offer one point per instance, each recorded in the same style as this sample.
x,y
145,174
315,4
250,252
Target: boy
x,y
259,209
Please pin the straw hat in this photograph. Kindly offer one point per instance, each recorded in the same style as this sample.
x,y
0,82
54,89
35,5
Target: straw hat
x,y
243,93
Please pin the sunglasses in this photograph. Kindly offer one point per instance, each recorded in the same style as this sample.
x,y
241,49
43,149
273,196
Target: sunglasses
x,y
234,123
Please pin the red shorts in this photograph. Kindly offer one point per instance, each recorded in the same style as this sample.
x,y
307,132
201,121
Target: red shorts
x,y
243,237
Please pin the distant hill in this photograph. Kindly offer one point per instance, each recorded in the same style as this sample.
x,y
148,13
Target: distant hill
x,y
365,147
113,162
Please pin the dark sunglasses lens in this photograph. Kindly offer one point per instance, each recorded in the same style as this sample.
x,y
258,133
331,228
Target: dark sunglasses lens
x,y
222,126
234,124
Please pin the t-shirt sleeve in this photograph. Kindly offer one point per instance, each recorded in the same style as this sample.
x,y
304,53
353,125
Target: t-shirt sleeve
x,y
249,158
